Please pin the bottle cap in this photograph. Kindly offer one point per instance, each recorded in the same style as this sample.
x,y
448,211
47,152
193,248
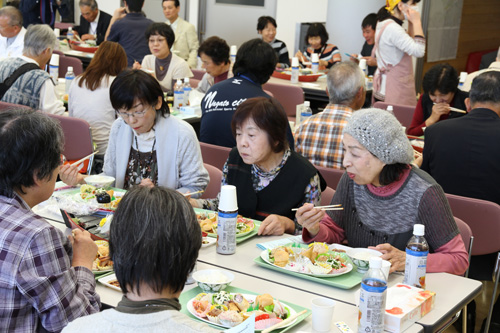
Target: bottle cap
x,y
186,80
57,32
54,60
375,262
70,68
362,63
390,108
419,229
307,103
295,62
233,50
314,57
70,29
179,81
228,201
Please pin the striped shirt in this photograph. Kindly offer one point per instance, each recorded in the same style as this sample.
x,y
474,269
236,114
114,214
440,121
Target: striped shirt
x,y
328,52
319,138
282,52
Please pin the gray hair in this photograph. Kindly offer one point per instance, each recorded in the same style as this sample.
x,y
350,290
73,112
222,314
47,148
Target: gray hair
x,y
343,81
15,16
38,37
91,3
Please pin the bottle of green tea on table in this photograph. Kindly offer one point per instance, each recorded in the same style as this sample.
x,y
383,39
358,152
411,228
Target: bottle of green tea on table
x,y
417,250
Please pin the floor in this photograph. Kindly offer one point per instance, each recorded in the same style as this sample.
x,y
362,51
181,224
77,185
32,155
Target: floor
x,y
482,306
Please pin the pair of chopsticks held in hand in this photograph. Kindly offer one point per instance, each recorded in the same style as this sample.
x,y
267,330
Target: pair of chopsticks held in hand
x,y
83,159
328,207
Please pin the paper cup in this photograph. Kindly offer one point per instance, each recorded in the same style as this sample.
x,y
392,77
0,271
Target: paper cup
x,y
228,201
314,57
322,314
386,266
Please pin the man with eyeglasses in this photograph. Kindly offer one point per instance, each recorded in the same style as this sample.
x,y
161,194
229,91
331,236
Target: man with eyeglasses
x,y
93,22
127,27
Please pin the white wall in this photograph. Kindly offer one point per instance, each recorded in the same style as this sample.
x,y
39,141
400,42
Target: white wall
x,y
291,12
343,23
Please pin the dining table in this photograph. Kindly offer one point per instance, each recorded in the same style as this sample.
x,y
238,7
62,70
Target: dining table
x,y
452,292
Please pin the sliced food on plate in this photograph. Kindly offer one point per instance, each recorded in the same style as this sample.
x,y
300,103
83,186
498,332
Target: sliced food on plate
x,y
208,224
102,262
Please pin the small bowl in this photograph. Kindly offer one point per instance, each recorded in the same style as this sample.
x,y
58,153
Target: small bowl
x,y
361,256
100,181
208,279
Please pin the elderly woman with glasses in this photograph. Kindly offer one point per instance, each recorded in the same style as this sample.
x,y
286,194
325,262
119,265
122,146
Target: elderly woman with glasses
x,y
147,146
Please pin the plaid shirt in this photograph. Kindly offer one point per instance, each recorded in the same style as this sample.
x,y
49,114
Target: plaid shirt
x,y
39,290
319,138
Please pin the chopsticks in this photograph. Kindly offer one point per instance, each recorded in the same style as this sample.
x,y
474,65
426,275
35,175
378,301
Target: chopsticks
x,y
328,207
188,194
284,322
417,153
457,110
85,158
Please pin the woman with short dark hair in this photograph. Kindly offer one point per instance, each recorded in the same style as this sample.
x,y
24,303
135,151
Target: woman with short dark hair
x,y
166,66
317,39
214,55
270,178
147,146
154,243
384,196
440,93
266,27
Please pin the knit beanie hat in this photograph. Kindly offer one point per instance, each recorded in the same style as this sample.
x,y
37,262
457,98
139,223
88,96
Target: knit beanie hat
x,y
381,134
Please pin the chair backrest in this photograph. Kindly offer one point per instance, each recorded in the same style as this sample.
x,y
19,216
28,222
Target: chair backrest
x,y
483,218
331,175
474,60
64,62
467,238
194,82
198,73
213,187
404,113
269,93
77,138
288,96
6,106
327,195
214,155
58,52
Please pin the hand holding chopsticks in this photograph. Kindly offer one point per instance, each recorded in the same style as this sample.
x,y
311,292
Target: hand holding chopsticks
x,y
189,194
85,158
328,207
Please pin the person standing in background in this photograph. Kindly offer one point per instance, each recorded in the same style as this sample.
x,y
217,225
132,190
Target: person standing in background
x,y
368,27
93,22
11,32
127,28
186,40
394,82
266,27
43,11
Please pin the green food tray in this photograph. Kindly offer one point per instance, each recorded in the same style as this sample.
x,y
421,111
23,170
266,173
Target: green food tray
x,y
188,295
239,239
344,281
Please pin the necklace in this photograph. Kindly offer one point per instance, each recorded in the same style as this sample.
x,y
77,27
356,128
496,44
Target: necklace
x,y
143,169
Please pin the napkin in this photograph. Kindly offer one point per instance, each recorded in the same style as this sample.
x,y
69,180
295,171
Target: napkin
x,y
280,242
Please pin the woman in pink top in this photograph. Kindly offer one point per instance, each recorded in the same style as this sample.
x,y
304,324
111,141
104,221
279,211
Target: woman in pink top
x,y
383,196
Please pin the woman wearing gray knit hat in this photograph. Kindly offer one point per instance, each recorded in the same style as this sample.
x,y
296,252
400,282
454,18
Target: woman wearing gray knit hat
x,y
383,196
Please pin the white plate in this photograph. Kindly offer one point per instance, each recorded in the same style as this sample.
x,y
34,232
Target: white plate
x,y
249,298
106,281
210,240
265,256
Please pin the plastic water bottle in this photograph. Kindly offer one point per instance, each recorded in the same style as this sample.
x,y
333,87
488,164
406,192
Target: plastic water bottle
x,y
295,70
306,112
315,63
178,94
54,68
363,66
69,78
187,90
226,220
417,250
232,53
70,35
372,298
461,82
390,109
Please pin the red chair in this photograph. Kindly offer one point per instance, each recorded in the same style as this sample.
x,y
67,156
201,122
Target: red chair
x,y
288,96
77,140
474,60
198,73
64,62
326,196
404,113
214,155
213,187
331,175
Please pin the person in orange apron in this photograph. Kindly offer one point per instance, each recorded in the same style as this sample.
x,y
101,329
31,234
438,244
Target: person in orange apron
x,y
394,81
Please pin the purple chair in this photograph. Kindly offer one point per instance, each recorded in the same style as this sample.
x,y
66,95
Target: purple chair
x,y
326,196
288,96
404,113
214,155
331,175
64,62
213,187
6,106
198,73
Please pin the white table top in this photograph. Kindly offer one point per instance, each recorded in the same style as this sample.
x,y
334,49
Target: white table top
x,y
319,85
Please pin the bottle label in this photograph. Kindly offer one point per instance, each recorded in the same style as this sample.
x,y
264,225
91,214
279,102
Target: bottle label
x,y
372,307
415,268
295,75
315,67
226,232
67,83
178,98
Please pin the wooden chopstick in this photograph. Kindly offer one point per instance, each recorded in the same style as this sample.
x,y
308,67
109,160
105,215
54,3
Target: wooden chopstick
x,y
457,110
85,158
416,152
187,194
284,322
338,208
319,207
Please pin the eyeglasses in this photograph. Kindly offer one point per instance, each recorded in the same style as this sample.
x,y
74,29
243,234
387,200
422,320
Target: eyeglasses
x,y
136,114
